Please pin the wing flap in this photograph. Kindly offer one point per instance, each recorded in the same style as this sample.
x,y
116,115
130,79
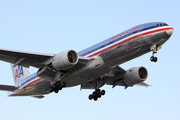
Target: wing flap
x,y
8,88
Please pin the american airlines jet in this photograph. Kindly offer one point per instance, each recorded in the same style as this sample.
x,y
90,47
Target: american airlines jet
x,y
91,68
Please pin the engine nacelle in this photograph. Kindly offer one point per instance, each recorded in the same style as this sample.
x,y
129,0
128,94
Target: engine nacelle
x,y
135,75
65,60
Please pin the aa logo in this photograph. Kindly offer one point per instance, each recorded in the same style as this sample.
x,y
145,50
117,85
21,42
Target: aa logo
x,y
19,72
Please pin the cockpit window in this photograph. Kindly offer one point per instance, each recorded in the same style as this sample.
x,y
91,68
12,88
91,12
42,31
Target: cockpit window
x,y
161,24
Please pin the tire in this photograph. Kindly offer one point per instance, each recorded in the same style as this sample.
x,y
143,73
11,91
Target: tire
x,y
90,97
103,92
99,96
60,88
95,98
94,94
56,91
152,59
155,59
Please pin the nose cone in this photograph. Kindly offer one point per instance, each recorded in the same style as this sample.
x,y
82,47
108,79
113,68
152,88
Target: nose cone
x,y
169,32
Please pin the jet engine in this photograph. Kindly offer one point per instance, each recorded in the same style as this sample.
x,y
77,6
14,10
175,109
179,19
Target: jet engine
x,y
135,75
65,60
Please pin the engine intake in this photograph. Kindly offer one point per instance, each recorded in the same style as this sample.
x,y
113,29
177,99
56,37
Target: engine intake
x,y
65,60
135,75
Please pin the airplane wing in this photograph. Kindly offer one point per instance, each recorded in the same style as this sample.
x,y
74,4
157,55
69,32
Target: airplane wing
x,y
25,59
8,88
117,79
114,78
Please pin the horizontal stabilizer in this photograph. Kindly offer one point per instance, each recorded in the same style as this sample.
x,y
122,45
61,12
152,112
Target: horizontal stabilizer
x,y
39,97
8,88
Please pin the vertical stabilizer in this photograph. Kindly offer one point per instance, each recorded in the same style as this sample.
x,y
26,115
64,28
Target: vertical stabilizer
x,y
19,73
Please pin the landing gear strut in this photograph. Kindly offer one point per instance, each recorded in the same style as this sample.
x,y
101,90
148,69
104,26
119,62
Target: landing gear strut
x,y
96,94
58,85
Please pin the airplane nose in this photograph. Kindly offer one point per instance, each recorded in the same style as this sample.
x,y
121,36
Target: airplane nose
x,y
169,32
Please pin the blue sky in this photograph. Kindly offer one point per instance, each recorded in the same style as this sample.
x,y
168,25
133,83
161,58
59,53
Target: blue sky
x,y
54,26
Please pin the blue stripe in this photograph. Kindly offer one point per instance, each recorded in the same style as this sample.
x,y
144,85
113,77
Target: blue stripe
x,y
28,79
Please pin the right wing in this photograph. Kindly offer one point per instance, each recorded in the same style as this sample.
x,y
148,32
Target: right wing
x,y
8,88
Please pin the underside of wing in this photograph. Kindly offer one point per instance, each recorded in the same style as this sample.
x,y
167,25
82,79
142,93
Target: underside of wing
x,y
117,77
25,59
129,78
8,88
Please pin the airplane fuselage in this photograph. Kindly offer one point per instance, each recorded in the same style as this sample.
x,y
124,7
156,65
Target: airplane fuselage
x,y
107,54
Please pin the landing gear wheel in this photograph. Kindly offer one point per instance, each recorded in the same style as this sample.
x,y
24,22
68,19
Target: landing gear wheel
x,y
95,98
90,97
57,86
99,96
96,94
60,88
153,59
56,90
103,92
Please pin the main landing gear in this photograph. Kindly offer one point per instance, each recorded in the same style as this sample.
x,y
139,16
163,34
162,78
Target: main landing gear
x,y
96,94
57,86
154,48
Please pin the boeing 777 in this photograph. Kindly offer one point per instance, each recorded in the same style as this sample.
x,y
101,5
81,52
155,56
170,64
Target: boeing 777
x,y
91,68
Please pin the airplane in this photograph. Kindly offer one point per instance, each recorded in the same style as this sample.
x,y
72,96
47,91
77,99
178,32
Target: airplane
x,y
91,68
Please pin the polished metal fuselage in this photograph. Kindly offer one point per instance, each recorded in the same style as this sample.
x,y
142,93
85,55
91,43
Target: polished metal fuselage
x,y
106,55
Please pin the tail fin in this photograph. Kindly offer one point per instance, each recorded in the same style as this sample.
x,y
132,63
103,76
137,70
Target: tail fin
x,y
19,73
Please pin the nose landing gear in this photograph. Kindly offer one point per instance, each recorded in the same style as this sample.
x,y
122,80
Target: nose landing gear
x,y
154,48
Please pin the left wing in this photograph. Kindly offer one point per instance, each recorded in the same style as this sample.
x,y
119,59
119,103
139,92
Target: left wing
x,y
25,59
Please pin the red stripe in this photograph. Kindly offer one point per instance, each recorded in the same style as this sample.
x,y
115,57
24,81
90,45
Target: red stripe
x,y
136,36
32,82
